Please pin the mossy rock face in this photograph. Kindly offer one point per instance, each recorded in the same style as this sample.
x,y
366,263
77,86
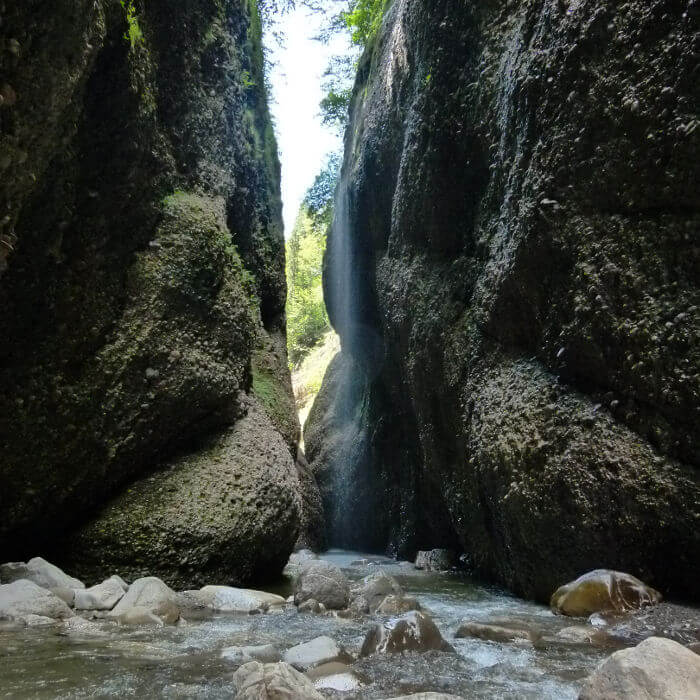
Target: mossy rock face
x,y
147,251
225,514
517,233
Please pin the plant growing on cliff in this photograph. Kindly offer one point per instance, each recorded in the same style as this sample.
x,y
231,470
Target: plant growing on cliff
x,y
134,34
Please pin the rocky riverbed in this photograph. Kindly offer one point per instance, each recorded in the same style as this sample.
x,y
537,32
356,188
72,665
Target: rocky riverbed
x,y
488,644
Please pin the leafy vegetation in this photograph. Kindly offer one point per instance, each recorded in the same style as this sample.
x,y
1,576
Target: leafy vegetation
x,y
307,321
134,34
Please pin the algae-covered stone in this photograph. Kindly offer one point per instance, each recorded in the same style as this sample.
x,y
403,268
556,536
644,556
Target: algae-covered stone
x,y
603,591
229,512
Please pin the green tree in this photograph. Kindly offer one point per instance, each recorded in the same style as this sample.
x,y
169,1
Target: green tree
x,y
307,321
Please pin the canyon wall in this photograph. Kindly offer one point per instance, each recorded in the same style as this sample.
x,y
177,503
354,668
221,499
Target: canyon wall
x,y
147,424
513,270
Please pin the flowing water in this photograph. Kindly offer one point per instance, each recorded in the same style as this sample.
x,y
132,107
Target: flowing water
x,y
186,662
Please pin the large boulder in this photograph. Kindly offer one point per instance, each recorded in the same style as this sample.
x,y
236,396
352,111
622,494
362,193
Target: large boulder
x,y
38,571
412,632
512,270
228,512
103,596
257,681
323,582
149,595
225,599
369,594
21,600
656,669
603,591
321,650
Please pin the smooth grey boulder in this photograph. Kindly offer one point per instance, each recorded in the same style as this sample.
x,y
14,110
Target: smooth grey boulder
x,y
67,595
321,650
656,669
103,596
265,653
436,560
149,595
323,582
229,600
40,572
413,632
22,599
256,681
373,589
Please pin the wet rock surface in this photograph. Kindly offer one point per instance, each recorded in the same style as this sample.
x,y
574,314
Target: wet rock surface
x,y
513,273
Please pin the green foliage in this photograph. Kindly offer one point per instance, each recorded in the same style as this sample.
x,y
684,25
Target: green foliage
x,y
134,35
307,321
334,108
363,19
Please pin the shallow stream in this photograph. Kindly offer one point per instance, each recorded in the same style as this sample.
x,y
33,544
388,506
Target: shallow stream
x,y
186,662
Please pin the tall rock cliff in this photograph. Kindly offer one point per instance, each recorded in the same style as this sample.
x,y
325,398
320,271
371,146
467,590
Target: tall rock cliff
x,y
142,292
513,270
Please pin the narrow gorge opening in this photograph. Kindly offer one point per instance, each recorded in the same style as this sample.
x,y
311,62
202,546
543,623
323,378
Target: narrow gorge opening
x,y
457,242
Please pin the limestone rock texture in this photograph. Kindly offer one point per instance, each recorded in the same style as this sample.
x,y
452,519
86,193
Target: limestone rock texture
x,y
513,271
142,290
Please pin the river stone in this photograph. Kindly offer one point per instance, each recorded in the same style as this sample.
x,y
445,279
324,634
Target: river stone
x,y
265,653
656,669
230,600
257,681
39,571
398,605
151,595
67,595
323,582
436,560
311,606
413,632
103,596
492,633
603,591
369,594
321,650
21,599
335,676
138,615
